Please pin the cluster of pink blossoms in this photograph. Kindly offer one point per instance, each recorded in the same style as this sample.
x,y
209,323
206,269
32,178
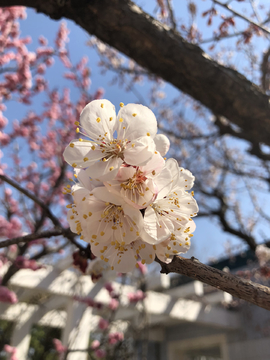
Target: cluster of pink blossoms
x,y
130,203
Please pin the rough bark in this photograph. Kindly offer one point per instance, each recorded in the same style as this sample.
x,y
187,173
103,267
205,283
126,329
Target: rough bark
x,y
243,289
123,25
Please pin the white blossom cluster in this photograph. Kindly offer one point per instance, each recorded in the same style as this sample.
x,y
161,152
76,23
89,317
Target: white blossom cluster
x,y
130,203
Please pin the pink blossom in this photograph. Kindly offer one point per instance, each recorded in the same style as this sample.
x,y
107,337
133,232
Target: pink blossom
x,y
3,121
100,353
59,347
103,324
7,295
108,287
22,263
4,139
42,40
95,345
62,36
49,61
136,296
113,305
41,69
115,337
12,351
99,94
142,268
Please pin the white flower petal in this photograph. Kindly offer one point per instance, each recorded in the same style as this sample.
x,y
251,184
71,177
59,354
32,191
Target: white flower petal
x,y
80,154
145,251
156,228
186,179
138,152
154,166
102,193
162,144
138,121
104,170
98,118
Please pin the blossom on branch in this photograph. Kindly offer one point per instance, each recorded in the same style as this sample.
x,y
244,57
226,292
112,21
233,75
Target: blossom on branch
x,y
130,204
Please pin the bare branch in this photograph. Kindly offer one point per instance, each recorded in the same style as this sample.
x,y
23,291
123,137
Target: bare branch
x,y
169,5
31,196
242,16
243,289
31,237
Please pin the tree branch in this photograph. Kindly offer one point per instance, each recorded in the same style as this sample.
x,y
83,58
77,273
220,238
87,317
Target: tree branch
x,y
166,54
31,196
31,237
243,289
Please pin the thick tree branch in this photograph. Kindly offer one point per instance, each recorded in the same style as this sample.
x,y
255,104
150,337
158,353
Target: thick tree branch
x,y
243,289
123,25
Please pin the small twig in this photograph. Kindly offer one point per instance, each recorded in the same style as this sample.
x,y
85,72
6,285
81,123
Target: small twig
x,y
66,232
169,5
242,16
243,289
31,196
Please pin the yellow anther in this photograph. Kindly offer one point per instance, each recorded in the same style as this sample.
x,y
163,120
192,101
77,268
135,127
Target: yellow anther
x,y
111,168
89,214
133,145
94,236
102,257
74,165
121,104
131,229
102,105
153,172
82,237
69,206
106,259
112,268
148,134
98,119
102,233
134,114
111,118
93,147
137,265
85,159
71,145
85,216
121,120
80,139
104,159
77,130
